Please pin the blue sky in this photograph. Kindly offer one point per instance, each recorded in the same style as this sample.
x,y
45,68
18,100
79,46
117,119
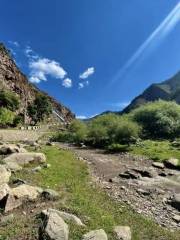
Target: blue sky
x,y
93,55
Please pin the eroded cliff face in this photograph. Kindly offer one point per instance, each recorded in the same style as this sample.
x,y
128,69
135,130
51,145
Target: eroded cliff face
x,y
11,78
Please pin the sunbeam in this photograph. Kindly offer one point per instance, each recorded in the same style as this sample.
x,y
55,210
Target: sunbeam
x,y
153,40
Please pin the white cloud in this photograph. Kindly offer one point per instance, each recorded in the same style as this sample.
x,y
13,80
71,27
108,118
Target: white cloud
x,y
41,67
83,84
15,43
67,83
87,73
81,117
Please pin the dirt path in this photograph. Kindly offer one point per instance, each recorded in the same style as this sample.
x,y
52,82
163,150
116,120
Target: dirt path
x,y
133,180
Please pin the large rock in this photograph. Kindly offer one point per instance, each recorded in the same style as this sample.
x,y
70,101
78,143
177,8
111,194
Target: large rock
x,y
25,158
26,192
53,227
158,165
67,217
173,163
175,202
4,190
12,166
96,235
4,175
11,148
50,195
122,232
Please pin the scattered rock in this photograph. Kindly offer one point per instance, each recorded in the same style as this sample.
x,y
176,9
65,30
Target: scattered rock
x,y
96,235
26,192
37,169
68,217
158,165
6,219
18,181
53,227
11,148
172,163
50,194
12,166
25,158
176,218
46,165
4,190
122,232
4,175
143,192
175,202
11,203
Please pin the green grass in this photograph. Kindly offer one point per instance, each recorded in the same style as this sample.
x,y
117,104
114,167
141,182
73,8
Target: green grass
x,y
79,195
156,150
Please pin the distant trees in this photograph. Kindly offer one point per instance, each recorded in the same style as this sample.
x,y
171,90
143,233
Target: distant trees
x,y
40,108
6,117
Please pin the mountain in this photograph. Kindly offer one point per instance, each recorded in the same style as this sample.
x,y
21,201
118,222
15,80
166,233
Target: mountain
x,y
168,90
11,78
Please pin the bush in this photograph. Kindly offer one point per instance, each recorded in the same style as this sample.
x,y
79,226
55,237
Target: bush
x,y
116,148
159,119
6,117
62,137
9,100
78,131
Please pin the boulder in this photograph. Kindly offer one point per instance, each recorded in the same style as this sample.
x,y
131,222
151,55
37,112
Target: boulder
x,y
68,217
11,203
122,232
4,190
50,194
26,192
12,166
175,202
158,165
11,148
173,163
4,175
53,227
96,235
25,158
176,218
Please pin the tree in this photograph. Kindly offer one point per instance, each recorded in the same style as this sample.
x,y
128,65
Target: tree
x,y
9,100
78,131
40,108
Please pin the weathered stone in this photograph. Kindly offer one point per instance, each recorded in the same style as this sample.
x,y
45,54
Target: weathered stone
x,y
11,203
37,169
176,218
68,217
25,158
4,190
158,165
96,235
50,194
175,202
11,148
26,192
12,166
122,232
4,175
172,163
53,227
18,181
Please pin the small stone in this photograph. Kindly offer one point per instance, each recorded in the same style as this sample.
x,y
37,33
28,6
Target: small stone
x,y
50,194
172,163
96,235
122,232
36,169
176,218
158,165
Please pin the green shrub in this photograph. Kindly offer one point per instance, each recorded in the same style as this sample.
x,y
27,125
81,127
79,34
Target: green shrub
x,y
62,137
6,117
9,100
118,148
78,131
159,119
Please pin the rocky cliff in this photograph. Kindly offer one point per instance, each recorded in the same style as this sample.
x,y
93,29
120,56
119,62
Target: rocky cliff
x,y
168,90
11,78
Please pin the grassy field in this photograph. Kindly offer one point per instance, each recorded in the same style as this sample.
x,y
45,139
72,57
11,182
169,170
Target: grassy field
x,y
80,196
156,150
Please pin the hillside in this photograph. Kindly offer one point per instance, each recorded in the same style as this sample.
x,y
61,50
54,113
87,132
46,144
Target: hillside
x,y
11,78
168,90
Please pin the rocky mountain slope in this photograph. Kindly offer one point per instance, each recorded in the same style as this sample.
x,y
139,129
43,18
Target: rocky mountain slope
x,y
11,78
168,90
